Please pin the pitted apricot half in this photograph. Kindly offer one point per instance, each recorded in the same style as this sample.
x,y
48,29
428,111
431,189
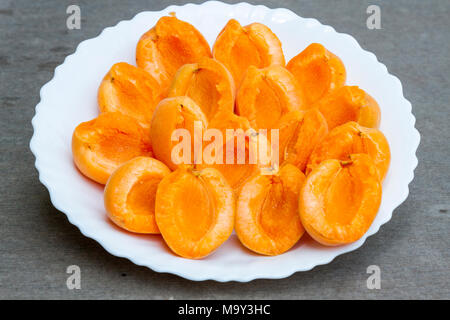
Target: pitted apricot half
x,y
340,199
239,158
267,219
239,47
194,211
208,83
131,91
171,114
130,194
171,43
349,103
351,138
300,133
318,72
101,145
265,95
228,120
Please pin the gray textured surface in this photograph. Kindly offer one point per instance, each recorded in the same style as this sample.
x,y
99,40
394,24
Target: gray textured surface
x,y
38,243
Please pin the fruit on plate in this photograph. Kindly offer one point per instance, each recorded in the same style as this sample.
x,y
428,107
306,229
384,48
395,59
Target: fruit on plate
x,y
130,194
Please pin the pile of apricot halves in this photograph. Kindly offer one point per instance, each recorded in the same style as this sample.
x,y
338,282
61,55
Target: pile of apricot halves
x,y
333,158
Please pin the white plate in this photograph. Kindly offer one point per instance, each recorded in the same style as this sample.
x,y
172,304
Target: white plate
x,y
70,98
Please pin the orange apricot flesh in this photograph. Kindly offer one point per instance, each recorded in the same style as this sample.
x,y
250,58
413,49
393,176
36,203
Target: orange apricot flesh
x,y
349,103
208,83
171,43
199,223
131,91
171,114
265,95
300,133
350,138
101,145
267,219
318,71
130,194
239,47
340,199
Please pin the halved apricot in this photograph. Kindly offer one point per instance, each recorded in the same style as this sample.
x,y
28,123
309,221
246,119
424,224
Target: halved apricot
x,y
349,103
239,47
171,43
238,156
300,133
130,90
267,219
169,115
194,211
130,194
340,199
265,95
350,138
208,83
101,145
318,72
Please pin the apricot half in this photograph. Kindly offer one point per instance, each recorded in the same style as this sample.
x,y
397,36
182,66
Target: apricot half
x,y
300,133
340,199
349,103
130,90
239,47
238,156
350,138
265,95
171,43
194,211
130,194
208,83
101,145
267,219
172,114
318,72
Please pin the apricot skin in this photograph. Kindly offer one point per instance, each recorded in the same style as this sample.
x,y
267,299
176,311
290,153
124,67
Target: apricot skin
x,y
171,43
349,103
318,71
267,220
131,91
340,199
130,194
208,83
101,145
194,211
353,138
239,47
265,95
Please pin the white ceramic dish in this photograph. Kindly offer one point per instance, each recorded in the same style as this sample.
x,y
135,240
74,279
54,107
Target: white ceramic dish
x,y
70,98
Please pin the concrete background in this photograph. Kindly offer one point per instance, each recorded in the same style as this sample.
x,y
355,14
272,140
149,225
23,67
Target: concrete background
x,y
38,243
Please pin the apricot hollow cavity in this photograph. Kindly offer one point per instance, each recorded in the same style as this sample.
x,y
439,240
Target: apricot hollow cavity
x,y
101,145
239,47
300,133
265,95
171,43
204,218
349,103
340,199
208,83
172,114
131,91
267,219
351,138
130,194
318,71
